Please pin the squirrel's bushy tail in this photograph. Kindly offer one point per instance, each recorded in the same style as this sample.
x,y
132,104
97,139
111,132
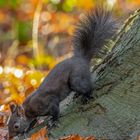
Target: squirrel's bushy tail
x,y
93,32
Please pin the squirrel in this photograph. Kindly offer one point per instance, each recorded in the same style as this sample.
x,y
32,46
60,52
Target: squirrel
x,y
72,74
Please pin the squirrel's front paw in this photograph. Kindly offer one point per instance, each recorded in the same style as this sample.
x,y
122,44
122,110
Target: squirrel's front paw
x,y
51,125
86,99
76,95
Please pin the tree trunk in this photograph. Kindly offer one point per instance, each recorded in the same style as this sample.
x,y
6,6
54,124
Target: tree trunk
x,y
115,113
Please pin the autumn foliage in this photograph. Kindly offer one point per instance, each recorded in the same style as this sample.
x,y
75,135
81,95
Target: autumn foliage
x,y
41,135
34,36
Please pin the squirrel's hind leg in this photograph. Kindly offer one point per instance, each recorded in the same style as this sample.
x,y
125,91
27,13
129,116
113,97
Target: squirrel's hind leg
x,y
82,86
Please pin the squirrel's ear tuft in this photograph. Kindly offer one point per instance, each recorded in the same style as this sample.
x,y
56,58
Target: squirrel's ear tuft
x,y
13,107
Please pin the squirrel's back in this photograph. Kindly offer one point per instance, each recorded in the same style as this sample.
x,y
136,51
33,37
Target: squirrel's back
x,y
93,32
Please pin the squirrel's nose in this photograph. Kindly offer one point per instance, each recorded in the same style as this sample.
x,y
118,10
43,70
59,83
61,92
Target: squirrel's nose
x,y
16,126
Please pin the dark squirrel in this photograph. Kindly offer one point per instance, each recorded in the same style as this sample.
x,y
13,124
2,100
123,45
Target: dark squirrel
x,y
72,74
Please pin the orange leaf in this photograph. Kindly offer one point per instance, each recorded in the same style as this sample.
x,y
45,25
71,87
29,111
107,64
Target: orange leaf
x,y
40,135
77,137
22,59
72,137
90,138
29,91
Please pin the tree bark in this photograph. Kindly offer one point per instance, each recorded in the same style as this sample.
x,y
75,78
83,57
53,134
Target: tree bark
x,y
115,113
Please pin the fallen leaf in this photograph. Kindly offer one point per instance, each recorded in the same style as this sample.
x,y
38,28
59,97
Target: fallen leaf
x,y
40,135
90,138
3,118
77,137
72,137
3,134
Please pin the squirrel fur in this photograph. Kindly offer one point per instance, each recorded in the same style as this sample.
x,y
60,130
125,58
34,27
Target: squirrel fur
x,y
72,74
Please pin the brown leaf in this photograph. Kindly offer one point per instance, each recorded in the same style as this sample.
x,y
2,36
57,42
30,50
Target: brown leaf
x,y
3,134
72,137
77,137
90,138
3,118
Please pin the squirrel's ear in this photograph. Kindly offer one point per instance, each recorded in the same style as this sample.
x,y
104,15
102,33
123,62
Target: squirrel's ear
x,y
21,111
13,107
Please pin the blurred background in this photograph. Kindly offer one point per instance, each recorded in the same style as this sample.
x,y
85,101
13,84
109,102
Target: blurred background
x,y
36,34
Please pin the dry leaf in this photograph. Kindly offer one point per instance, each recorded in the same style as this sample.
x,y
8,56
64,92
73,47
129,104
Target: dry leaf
x,y
40,135
77,137
3,118
72,137
3,134
90,138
